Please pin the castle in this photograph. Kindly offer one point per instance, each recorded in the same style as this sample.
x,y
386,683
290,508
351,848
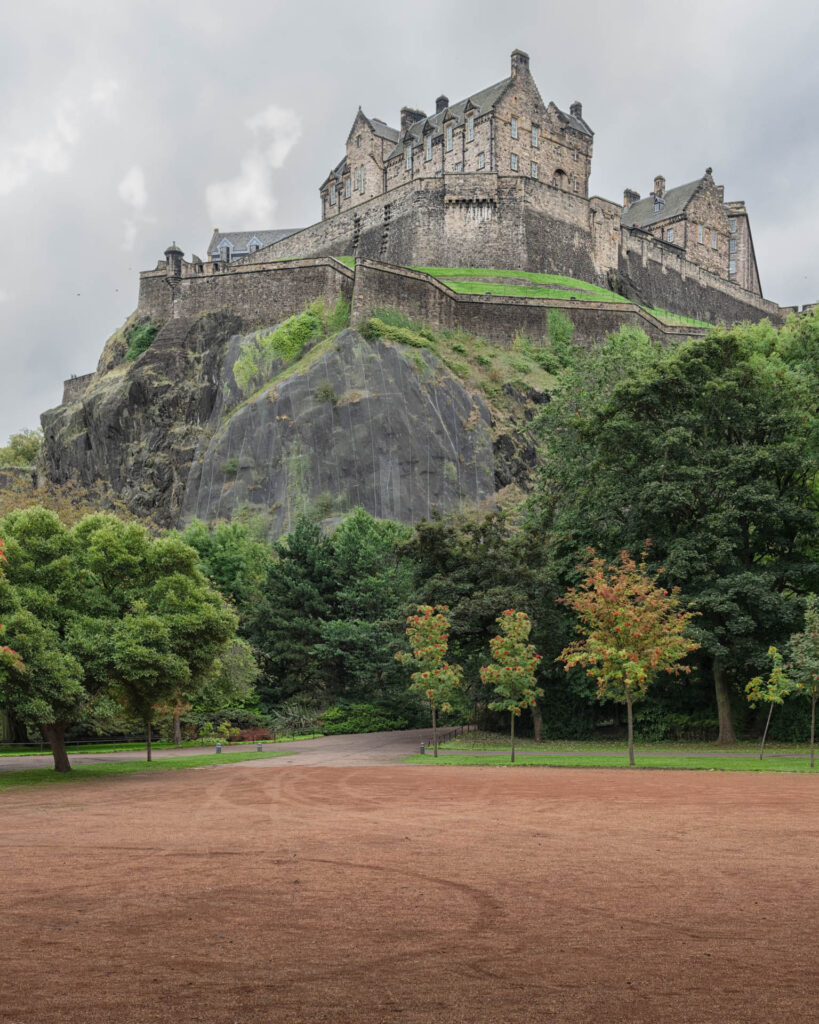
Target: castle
x,y
497,180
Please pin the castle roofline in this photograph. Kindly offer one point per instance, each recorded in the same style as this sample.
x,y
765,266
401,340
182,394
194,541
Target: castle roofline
x,y
674,202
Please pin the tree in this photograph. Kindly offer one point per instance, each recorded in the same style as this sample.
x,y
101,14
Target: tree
x,y
22,449
631,630
513,677
10,660
435,678
803,663
711,450
777,688
38,598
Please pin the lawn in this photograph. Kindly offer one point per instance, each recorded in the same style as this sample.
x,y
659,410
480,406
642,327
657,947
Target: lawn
x,y
500,742
81,772
111,748
703,763
561,287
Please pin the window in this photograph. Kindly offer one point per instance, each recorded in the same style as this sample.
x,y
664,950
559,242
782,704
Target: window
x,y
347,187
732,245
514,125
358,142
480,161
699,233
534,169
429,147
732,266
355,179
575,155
713,239
448,138
409,158
513,161
470,128
576,185
332,195
534,135
732,224
669,235
459,167
363,186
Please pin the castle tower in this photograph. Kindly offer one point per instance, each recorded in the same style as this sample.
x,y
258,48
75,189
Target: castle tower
x,y
173,258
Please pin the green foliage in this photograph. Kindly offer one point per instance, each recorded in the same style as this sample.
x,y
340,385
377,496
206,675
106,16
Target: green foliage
x,y
561,336
286,343
375,327
140,338
230,467
512,676
352,718
22,449
325,392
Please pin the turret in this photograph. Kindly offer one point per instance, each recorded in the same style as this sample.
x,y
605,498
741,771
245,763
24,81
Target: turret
x,y
173,259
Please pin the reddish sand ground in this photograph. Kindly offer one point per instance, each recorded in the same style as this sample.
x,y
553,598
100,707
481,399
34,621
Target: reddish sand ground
x,y
280,893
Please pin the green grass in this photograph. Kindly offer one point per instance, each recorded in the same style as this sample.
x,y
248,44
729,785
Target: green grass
x,y
500,742
713,764
81,772
111,748
562,287
348,261
674,318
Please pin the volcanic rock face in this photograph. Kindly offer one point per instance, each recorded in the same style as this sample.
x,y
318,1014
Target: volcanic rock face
x,y
352,422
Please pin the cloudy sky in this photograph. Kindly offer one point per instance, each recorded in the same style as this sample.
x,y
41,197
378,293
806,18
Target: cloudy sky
x,y
126,125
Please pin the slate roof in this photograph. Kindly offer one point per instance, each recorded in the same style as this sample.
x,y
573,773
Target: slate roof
x,y
484,101
641,214
383,130
241,239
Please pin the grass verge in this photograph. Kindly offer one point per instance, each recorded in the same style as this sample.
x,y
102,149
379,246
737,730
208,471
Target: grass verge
x,y
711,764
499,742
113,748
81,772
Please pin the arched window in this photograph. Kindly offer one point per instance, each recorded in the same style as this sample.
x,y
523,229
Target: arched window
x,y
559,179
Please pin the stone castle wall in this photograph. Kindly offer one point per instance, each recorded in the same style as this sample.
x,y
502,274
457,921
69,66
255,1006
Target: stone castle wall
x,y
75,387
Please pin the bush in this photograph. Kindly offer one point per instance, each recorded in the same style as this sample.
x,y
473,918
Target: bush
x,y
230,467
375,327
325,392
347,718
561,334
139,339
254,735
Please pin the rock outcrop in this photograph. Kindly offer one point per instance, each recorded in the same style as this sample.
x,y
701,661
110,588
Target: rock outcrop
x,y
352,422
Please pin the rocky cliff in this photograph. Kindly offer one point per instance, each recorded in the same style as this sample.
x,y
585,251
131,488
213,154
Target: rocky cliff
x,y
399,429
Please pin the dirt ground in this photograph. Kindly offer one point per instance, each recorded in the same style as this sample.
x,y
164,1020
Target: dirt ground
x,y
294,894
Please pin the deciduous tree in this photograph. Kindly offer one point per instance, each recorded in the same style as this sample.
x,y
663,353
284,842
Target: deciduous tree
x,y
630,627
513,675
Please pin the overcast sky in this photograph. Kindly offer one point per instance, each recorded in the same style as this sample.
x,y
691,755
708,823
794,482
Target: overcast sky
x,y
128,124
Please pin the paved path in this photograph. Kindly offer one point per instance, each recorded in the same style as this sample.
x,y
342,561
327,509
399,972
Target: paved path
x,y
359,749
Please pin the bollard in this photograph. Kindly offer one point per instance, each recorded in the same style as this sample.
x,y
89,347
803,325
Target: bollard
x,y
259,746
422,747
218,748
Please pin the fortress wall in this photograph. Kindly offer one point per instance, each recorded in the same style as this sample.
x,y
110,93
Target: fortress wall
x,y
259,294
155,295
496,317
75,387
665,280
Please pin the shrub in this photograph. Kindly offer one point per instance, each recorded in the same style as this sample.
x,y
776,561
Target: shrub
x,y
230,467
325,392
377,328
521,365
338,318
348,718
561,333
482,360
284,344
139,339
254,735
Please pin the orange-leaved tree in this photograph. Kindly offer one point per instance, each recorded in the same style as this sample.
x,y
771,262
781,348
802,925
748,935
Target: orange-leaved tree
x,y
435,678
513,674
631,629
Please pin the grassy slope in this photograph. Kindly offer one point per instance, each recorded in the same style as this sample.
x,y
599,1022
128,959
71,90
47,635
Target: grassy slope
x,y
80,772
713,764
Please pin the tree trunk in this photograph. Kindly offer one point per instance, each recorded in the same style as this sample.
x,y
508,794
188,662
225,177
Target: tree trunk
x,y
512,715
177,729
630,734
726,722
765,733
54,733
812,728
434,732
148,743
537,722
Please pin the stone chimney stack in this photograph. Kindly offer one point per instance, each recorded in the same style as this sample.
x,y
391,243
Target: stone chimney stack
x,y
576,109
721,193
410,116
630,197
520,62
441,103
659,187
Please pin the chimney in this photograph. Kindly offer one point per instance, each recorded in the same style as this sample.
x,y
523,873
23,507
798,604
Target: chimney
x,y
630,197
659,187
576,109
441,103
410,116
721,193
520,62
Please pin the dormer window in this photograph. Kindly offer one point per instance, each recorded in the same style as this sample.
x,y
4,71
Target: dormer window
x,y
409,158
347,187
514,126
429,147
448,138
470,128
658,205
333,195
